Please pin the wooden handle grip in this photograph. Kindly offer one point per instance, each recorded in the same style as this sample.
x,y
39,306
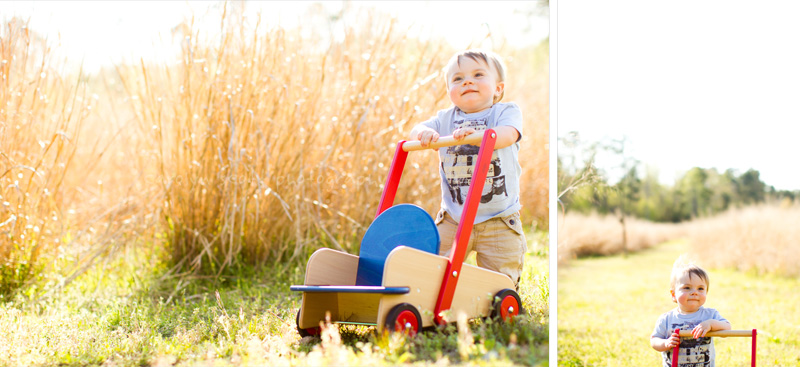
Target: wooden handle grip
x,y
721,333
444,141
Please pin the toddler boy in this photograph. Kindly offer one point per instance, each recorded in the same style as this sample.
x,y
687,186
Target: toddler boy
x,y
475,82
688,287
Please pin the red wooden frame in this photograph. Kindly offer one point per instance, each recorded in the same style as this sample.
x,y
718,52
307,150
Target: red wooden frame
x,y
464,230
393,180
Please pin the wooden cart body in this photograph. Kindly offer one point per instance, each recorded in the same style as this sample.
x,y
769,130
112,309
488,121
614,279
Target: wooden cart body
x,y
397,266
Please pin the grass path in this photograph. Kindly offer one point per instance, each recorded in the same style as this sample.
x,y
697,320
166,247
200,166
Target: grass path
x,y
607,308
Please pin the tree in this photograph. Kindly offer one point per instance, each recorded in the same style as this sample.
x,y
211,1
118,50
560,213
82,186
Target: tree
x,y
750,189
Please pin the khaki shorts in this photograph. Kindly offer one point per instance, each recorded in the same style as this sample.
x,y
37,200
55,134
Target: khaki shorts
x,y
499,243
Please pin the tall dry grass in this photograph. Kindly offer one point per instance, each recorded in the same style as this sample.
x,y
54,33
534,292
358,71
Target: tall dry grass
x,y
41,112
587,235
56,218
761,238
261,143
267,143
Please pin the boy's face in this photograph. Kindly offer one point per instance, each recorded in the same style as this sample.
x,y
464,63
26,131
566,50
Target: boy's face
x,y
689,292
473,85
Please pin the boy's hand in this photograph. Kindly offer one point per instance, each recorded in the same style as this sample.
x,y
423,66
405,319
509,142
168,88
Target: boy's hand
x,y
673,341
701,329
427,136
463,133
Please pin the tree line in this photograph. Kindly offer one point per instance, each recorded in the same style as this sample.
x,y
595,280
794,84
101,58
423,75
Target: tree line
x,y
582,187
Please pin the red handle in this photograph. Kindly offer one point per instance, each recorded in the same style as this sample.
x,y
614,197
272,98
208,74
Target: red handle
x,y
753,356
461,240
676,351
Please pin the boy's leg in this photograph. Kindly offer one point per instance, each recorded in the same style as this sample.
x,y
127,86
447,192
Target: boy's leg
x,y
501,246
447,227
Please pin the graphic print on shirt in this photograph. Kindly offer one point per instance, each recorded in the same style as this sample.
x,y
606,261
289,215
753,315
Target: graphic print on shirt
x,y
459,163
694,352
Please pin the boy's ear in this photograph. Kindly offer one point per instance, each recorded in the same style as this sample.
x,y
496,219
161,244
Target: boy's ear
x,y
499,90
672,293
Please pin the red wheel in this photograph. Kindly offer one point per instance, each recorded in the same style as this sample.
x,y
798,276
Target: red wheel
x,y
313,331
506,305
404,318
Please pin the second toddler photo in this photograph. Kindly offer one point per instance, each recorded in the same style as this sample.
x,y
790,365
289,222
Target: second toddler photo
x,y
676,210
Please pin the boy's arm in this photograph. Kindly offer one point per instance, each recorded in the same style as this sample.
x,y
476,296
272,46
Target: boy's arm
x,y
424,134
663,345
704,327
506,135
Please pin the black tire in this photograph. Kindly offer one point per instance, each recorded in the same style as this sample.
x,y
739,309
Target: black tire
x,y
506,304
404,318
314,331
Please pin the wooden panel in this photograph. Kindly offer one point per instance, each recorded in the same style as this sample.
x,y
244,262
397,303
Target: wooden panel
x,y
358,307
475,290
326,267
343,307
422,272
314,306
331,267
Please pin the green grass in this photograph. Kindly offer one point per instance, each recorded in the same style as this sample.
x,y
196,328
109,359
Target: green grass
x,y
608,306
122,313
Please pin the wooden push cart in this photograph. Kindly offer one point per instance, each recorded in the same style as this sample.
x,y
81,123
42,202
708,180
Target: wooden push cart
x,y
719,334
399,282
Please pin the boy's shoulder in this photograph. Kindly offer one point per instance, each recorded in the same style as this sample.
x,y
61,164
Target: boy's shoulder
x,y
702,312
671,313
504,105
499,106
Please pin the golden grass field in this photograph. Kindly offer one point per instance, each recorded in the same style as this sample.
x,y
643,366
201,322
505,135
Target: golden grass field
x,y
257,144
761,238
584,235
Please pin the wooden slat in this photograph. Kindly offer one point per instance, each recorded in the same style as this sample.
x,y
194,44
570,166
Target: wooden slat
x,y
349,289
444,141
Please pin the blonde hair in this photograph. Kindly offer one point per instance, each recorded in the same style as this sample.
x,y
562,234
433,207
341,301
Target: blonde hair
x,y
487,57
682,267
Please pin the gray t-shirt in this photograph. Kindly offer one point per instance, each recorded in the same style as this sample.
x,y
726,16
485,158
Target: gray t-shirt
x,y
693,352
500,196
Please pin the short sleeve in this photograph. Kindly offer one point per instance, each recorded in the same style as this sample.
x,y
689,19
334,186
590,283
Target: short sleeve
x,y
716,316
660,329
511,115
433,123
